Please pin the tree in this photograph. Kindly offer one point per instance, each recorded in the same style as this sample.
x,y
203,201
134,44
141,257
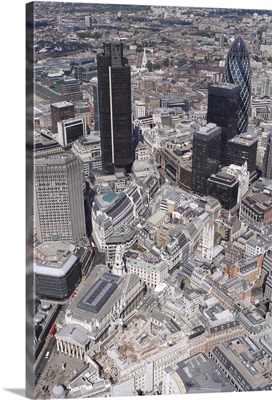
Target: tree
x,y
166,62
156,65
149,65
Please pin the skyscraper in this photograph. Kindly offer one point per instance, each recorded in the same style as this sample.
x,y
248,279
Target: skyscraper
x,y
237,70
223,105
114,92
88,22
59,205
206,156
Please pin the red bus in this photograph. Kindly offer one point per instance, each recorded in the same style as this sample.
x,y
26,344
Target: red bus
x,y
53,330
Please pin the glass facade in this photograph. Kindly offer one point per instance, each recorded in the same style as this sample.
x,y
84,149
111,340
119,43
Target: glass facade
x,y
237,70
114,94
223,107
206,156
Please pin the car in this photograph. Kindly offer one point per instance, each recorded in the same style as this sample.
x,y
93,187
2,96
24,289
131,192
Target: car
x,y
47,354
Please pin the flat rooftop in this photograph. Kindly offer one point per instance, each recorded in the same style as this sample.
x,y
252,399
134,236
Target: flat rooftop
x,y
85,306
100,292
62,104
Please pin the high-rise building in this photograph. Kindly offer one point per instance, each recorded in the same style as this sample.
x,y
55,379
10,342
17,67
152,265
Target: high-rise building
x,y
206,156
267,165
60,111
237,70
88,21
114,92
243,148
59,204
223,105
221,40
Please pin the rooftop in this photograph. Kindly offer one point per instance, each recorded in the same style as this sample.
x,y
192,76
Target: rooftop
x,y
200,374
77,333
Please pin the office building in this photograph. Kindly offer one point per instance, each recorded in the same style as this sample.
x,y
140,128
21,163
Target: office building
x,y
223,105
267,165
256,205
138,109
242,175
261,84
60,111
196,374
237,70
94,88
268,287
55,88
244,363
59,206
267,265
114,92
241,149
57,270
223,187
206,156
88,22
70,130
88,149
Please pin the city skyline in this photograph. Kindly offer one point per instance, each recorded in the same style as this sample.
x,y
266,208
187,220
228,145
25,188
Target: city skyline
x,y
191,255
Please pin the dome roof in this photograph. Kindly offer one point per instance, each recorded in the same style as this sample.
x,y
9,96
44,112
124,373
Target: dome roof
x,y
45,306
59,392
38,319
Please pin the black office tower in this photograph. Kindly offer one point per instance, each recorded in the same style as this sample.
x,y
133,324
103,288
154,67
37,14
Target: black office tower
x,y
114,92
206,156
223,187
241,149
223,106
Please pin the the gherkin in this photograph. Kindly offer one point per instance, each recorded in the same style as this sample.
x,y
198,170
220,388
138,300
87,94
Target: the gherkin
x,y
237,70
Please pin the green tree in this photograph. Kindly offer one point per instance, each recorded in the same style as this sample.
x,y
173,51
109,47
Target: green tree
x,y
149,65
166,62
156,65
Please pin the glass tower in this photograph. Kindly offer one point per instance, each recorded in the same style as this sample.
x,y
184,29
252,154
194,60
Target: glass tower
x,y
114,94
237,70
223,107
206,156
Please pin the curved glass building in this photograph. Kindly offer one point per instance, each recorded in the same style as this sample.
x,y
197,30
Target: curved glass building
x,y
237,70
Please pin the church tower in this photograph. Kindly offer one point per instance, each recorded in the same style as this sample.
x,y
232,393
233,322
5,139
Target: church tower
x,y
119,266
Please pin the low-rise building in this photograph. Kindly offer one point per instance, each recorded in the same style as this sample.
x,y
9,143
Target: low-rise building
x,y
151,270
104,298
196,374
256,205
57,270
242,361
